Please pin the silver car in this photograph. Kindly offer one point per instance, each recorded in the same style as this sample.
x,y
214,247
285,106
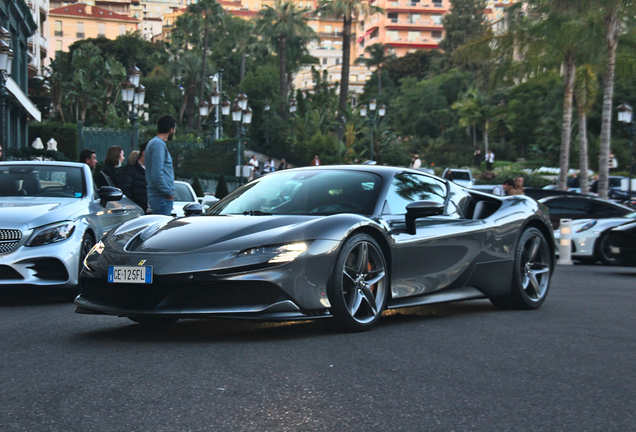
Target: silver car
x,y
51,215
589,238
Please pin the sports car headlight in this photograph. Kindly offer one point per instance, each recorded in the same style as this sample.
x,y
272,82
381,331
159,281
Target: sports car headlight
x,y
53,233
586,226
97,249
279,254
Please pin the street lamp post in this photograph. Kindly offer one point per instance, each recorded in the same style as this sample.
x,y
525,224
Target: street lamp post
x,y
625,116
381,111
241,115
292,110
133,93
6,60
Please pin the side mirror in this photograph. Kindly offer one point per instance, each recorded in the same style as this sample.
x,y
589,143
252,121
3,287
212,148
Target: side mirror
x,y
192,209
109,193
420,209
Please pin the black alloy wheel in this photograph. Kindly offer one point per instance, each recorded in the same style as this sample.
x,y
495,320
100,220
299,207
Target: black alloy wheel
x,y
360,285
603,251
531,273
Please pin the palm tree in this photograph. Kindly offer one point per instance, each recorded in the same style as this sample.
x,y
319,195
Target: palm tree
x,y
277,25
586,87
211,14
378,57
347,10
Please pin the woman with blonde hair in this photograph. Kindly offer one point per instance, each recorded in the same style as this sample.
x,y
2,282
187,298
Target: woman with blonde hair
x,y
110,175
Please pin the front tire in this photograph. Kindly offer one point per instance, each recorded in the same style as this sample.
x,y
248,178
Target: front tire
x,y
531,274
88,242
359,287
603,251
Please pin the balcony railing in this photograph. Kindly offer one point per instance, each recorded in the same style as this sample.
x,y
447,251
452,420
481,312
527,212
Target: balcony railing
x,y
332,34
415,40
59,33
79,35
101,34
415,22
410,4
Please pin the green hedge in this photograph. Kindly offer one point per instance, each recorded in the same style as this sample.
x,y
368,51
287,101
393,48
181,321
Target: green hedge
x,y
28,153
65,134
206,162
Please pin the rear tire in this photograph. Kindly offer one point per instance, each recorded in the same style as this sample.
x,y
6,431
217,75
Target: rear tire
x,y
359,287
531,274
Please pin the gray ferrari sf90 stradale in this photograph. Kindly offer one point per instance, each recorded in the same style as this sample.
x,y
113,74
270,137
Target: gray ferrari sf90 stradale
x,y
342,243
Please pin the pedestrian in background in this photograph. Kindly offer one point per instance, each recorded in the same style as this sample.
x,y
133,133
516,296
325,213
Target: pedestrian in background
x,y
490,159
416,162
448,175
159,169
110,175
269,166
88,157
133,178
518,187
315,161
1,154
282,165
505,187
477,158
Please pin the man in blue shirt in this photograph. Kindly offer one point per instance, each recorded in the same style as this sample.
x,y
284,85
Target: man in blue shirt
x,y
159,171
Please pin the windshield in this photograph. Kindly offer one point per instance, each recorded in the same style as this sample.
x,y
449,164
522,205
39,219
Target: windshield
x,y
41,181
631,215
304,192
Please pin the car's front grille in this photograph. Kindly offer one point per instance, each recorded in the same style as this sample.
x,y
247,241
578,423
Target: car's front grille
x,y
165,292
9,239
7,273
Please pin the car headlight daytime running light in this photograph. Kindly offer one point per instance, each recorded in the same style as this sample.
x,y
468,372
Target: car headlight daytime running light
x,y
98,248
586,226
280,253
53,233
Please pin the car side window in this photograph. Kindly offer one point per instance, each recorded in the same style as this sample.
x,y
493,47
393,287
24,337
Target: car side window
x,y
569,206
408,187
602,209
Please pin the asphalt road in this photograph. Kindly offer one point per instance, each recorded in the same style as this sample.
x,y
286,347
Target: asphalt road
x,y
569,366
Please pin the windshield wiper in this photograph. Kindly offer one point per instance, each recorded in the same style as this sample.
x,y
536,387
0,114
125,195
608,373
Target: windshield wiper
x,y
255,213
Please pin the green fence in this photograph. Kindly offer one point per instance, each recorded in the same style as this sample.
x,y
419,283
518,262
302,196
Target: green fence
x,y
202,160
99,139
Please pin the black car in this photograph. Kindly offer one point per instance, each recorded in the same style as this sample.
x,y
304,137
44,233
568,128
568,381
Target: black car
x,y
621,244
339,243
581,207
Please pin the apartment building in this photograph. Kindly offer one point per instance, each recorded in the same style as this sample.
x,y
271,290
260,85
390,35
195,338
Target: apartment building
x,y
38,44
78,21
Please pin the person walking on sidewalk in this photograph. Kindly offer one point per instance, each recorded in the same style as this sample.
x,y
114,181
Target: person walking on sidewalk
x,y
159,170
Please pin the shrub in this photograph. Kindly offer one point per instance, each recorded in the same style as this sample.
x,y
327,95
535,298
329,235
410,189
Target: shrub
x,y
196,185
221,188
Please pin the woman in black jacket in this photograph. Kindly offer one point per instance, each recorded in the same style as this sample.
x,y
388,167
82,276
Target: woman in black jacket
x,y
110,175
133,178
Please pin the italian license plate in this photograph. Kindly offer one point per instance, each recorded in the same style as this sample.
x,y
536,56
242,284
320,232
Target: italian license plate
x,y
615,250
130,274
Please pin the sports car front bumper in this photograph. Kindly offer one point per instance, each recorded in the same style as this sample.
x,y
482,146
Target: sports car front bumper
x,y
192,285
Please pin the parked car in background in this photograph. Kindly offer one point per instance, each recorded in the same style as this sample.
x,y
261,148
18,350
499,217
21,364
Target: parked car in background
x,y
51,215
621,244
462,177
590,238
207,201
581,207
183,195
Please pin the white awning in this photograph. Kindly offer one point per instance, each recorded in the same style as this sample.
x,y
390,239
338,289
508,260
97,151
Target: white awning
x,y
23,99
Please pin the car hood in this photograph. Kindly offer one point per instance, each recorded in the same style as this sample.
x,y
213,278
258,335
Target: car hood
x,y
217,233
37,211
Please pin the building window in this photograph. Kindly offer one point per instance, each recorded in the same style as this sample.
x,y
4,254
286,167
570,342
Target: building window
x,y
58,28
122,29
58,45
393,17
324,61
314,27
436,34
354,78
415,3
328,29
80,31
414,18
393,35
337,61
374,34
414,36
101,30
437,3
437,19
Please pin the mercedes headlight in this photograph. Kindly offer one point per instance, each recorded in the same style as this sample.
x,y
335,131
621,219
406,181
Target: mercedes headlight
x,y
279,254
586,226
53,233
97,249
